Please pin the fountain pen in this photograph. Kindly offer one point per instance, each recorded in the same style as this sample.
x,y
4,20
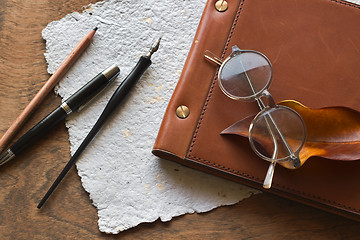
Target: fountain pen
x,y
116,99
74,103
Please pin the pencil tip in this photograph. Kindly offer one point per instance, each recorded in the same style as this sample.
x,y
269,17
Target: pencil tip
x,y
96,28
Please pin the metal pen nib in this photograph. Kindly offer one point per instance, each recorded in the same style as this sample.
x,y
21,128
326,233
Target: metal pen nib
x,y
154,48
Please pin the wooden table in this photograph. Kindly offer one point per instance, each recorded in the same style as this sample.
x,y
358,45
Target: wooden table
x,y
69,214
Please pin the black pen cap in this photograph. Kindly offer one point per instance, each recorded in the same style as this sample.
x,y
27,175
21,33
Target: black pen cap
x,y
85,94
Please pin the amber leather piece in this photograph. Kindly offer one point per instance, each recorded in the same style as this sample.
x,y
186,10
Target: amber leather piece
x,y
314,49
332,132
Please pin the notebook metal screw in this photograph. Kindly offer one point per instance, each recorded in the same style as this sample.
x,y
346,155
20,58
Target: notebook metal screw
x,y
182,111
221,5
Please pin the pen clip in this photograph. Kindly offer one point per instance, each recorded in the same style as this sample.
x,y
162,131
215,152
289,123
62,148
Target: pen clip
x,y
89,101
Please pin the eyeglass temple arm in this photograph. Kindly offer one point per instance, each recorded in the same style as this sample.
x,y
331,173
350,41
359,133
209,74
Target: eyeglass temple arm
x,y
294,158
270,172
212,57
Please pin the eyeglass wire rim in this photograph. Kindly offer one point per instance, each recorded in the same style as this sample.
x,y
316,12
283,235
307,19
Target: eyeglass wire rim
x,y
284,159
253,97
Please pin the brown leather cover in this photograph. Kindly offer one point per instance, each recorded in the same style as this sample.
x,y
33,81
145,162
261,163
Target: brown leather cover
x,y
314,46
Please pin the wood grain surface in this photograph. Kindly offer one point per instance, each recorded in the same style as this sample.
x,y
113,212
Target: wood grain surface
x,y
69,213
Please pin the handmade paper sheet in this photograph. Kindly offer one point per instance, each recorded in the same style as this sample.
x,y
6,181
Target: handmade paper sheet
x,y
126,183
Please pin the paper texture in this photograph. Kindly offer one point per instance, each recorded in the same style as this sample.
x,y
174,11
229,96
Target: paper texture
x,y
127,184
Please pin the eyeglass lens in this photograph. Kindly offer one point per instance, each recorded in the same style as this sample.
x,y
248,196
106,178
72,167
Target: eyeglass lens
x,y
245,75
277,133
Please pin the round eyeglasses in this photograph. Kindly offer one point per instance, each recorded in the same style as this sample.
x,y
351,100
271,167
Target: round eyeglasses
x,y
277,133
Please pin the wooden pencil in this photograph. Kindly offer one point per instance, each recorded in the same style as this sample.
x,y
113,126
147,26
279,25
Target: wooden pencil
x,y
46,88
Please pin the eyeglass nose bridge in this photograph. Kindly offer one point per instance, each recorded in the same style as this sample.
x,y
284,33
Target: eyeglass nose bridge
x,y
270,101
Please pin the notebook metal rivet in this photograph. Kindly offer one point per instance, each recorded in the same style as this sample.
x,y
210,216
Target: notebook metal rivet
x,y
182,111
221,5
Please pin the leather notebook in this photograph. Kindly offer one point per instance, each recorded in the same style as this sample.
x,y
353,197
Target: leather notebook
x,y
314,48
